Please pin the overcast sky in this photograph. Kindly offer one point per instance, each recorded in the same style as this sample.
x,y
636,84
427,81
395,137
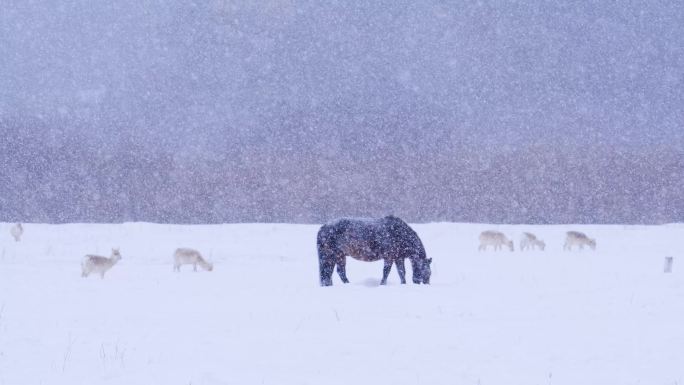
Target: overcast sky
x,y
487,73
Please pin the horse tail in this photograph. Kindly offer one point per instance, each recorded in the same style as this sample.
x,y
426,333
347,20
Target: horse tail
x,y
325,238
326,258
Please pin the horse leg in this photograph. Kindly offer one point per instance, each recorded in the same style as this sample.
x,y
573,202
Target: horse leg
x,y
386,270
401,270
341,268
326,263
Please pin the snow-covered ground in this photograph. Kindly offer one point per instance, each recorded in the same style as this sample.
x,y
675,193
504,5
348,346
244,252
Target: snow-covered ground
x,y
610,316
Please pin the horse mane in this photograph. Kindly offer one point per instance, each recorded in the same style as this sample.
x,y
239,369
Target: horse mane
x,y
395,221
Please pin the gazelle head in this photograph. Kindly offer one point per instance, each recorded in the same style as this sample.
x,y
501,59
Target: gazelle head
x,y
542,245
510,245
592,243
116,254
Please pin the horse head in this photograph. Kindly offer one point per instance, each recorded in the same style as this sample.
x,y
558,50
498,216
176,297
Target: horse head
x,y
422,270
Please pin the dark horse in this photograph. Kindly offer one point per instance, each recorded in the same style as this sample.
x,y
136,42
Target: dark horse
x,y
388,238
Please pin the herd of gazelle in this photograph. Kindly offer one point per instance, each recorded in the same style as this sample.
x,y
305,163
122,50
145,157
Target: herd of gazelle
x,y
182,256
97,264
530,241
186,256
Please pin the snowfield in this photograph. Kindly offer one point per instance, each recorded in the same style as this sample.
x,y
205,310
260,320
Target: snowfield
x,y
610,316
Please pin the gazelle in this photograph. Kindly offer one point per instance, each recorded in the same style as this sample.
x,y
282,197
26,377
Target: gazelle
x,y
530,241
187,256
17,230
575,238
99,264
494,238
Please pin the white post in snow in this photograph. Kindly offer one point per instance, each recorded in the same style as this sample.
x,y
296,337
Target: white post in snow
x,y
668,264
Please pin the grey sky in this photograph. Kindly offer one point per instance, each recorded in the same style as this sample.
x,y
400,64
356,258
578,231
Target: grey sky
x,y
491,73
216,110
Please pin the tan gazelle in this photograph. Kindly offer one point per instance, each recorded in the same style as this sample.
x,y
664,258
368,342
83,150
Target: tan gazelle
x,y
99,264
494,238
187,256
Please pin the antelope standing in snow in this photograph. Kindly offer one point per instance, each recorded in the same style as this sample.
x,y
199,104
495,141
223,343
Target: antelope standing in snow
x,y
530,241
494,238
186,256
580,239
17,230
99,264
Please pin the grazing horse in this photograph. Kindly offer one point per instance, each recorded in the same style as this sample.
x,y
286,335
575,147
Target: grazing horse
x,y
388,238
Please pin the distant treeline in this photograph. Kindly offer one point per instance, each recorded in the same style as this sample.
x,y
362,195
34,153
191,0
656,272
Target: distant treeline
x,y
55,175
